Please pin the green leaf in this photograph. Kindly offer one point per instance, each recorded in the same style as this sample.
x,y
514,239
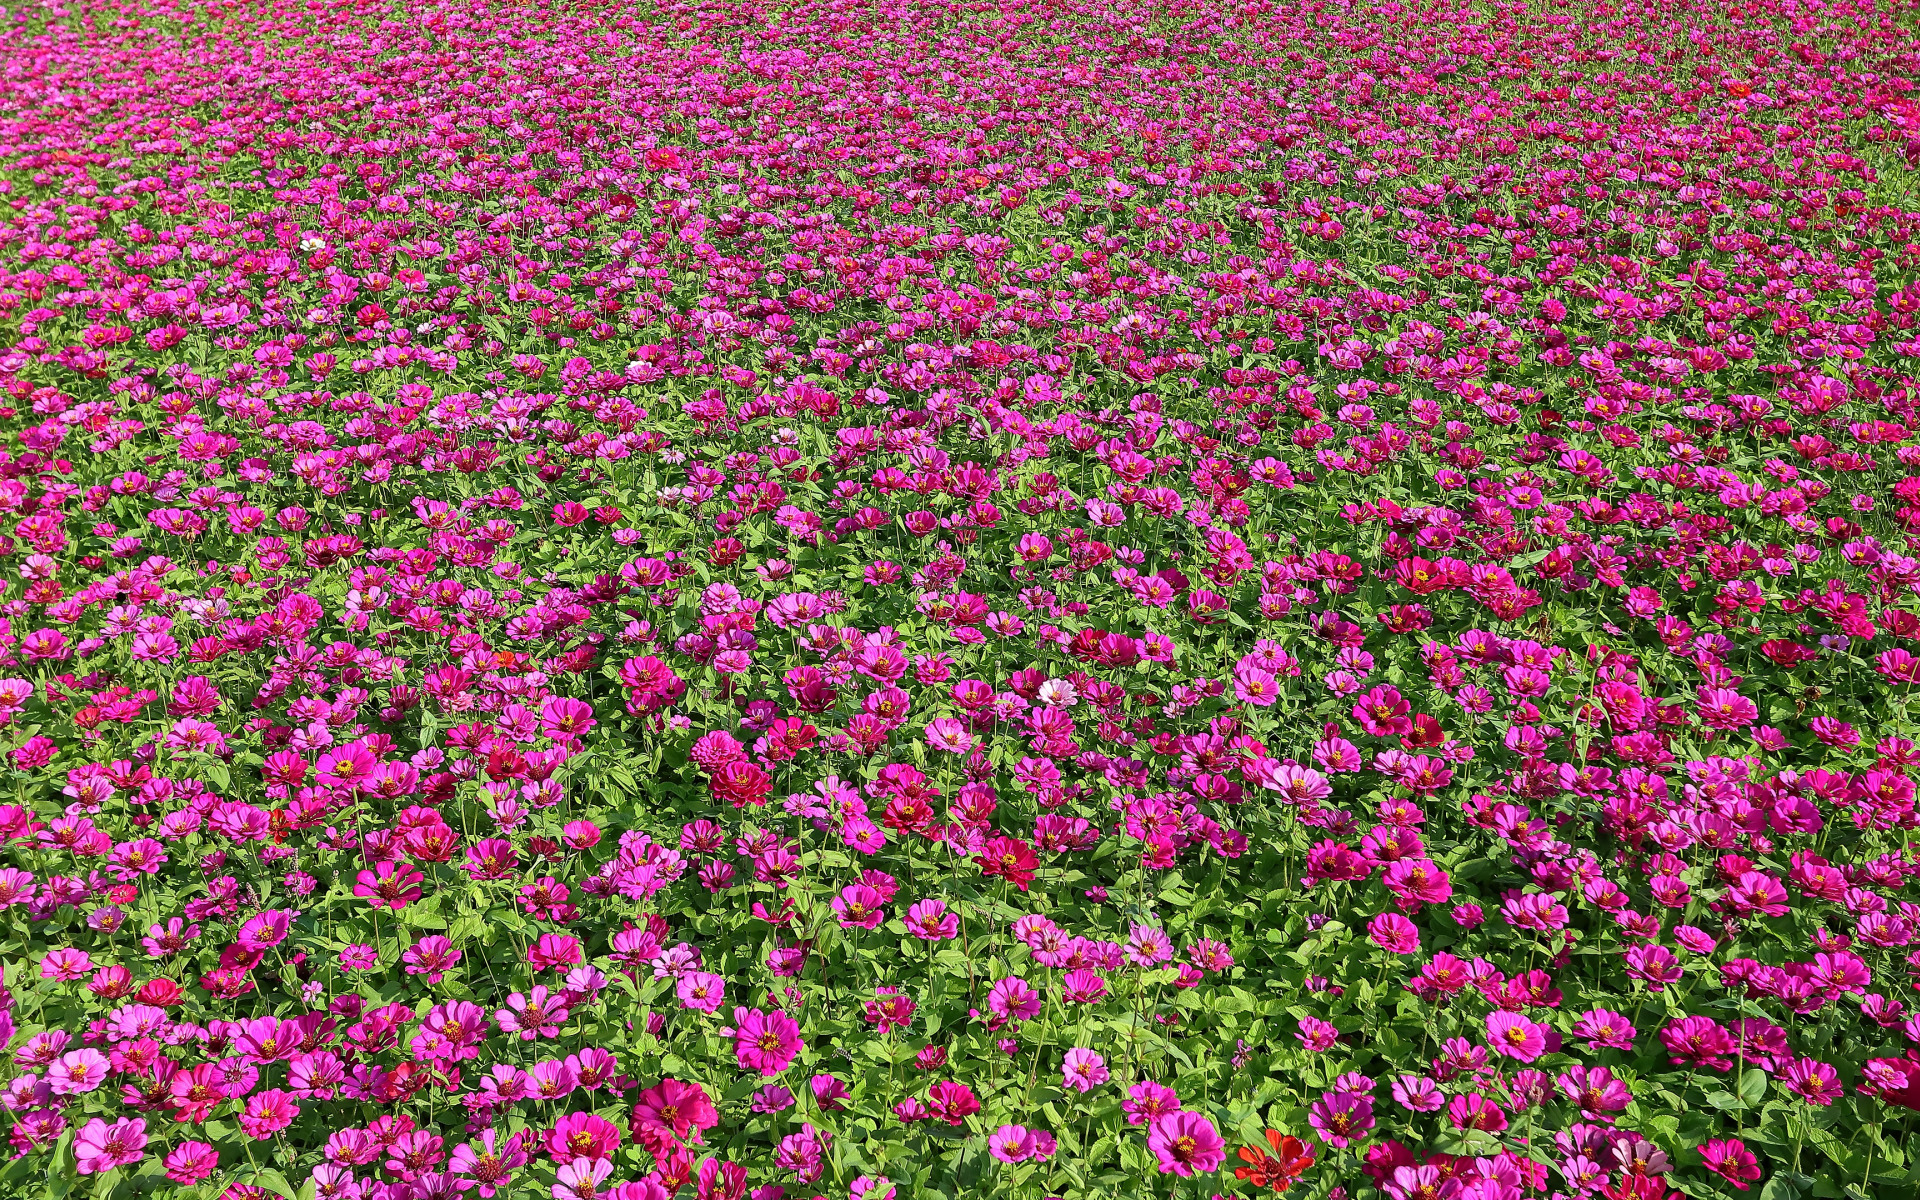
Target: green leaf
x,y
275,1182
62,1172
1753,1087
1468,1141
1785,1185
105,1183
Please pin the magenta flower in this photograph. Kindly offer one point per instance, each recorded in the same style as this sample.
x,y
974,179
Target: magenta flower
x,y
803,1153
1010,1144
764,1042
1604,1029
190,1162
432,956
1147,1100
539,1013
267,1113
1417,1093
580,1179
1474,1111
1698,1042
1513,1036
1813,1081
77,1072
1394,933
1084,1069
1595,1090
1730,1159
65,965
265,931
1341,1118
1186,1144
859,907
99,1146
1654,964
701,991
389,885
582,1135
930,921
952,1102
1013,999
1317,1035
1082,986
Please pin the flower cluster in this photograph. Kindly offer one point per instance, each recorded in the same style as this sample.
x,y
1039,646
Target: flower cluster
x,y
920,599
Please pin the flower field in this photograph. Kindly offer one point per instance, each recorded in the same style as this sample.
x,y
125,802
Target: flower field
x,y
882,599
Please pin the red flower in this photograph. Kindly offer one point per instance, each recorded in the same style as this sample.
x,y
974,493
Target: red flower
x,y
1290,1158
741,783
1010,859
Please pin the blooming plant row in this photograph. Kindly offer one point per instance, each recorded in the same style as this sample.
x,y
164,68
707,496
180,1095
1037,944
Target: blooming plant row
x,y
892,599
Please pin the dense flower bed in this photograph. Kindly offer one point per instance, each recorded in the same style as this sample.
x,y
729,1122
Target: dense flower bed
x,y
933,600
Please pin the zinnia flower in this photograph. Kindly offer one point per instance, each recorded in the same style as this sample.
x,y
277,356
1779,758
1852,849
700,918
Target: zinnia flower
x,y
1186,1144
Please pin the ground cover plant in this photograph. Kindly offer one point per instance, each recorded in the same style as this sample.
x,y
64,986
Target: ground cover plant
x,y
983,599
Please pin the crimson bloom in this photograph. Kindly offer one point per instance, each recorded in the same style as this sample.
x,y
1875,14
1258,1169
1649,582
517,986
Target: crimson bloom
x,y
1009,858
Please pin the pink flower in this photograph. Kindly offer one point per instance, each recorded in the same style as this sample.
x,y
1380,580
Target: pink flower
x,y
267,1113
265,931
536,1014
1513,1036
803,1153
952,1102
1186,1144
77,1071
859,907
1253,686
1014,999
1811,1080
190,1162
102,1147
949,734
701,991
554,950
1394,933
65,965
491,1165
1383,713
1595,1090
581,1178
1417,1093
1654,964
1317,1035
930,921
1604,1029
765,1042
1082,986
582,1135
1010,1144
1730,1159
389,885
1474,1111
431,956
1147,1100
1084,1070
1724,708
